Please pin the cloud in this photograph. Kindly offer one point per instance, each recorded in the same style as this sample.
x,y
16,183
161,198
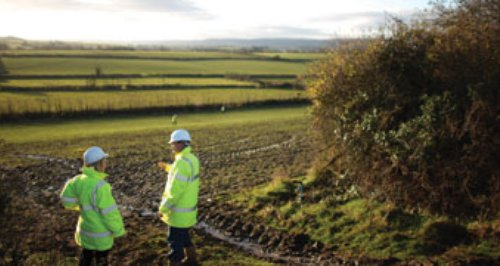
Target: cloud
x,y
182,7
364,19
47,4
162,5
373,16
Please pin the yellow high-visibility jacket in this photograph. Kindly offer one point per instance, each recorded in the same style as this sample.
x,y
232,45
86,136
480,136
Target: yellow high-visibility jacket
x,y
180,199
100,220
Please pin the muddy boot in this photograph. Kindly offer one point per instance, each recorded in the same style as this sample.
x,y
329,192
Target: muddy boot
x,y
162,260
190,257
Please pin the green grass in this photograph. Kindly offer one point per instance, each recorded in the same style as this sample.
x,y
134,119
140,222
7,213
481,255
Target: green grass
x,y
68,66
84,128
146,54
35,83
57,102
357,226
166,54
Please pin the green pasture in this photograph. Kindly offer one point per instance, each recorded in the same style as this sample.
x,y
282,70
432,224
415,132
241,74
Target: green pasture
x,y
43,83
166,54
145,54
87,66
83,128
60,102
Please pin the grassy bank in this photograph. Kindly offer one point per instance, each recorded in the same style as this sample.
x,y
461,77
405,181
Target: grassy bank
x,y
353,226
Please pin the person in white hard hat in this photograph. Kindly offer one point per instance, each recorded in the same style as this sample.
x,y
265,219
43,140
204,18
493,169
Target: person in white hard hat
x,y
178,208
100,221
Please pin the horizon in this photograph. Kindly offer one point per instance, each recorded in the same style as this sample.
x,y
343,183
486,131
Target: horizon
x,y
185,40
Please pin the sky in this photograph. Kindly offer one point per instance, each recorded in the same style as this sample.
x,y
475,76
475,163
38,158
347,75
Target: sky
x,y
150,20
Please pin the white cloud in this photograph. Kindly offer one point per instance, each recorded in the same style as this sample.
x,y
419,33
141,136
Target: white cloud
x,y
168,6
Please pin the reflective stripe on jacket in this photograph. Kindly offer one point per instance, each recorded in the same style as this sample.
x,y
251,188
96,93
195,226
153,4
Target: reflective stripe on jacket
x,y
100,220
180,199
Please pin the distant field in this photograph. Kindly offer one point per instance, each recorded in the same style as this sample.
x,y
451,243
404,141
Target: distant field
x,y
164,54
68,66
43,83
146,54
76,102
52,95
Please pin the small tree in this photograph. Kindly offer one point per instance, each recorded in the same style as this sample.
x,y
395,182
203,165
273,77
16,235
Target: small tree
x,y
98,71
3,71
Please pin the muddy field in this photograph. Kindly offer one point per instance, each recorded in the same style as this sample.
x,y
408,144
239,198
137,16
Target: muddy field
x,y
35,228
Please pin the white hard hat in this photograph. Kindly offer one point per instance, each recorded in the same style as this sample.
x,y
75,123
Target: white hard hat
x,y
93,154
180,135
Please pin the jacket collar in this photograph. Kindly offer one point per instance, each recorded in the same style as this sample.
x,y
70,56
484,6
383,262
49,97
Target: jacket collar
x,y
184,152
91,172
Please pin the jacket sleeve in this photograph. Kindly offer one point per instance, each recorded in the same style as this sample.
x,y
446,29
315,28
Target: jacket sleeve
x,y
69,197
180,174
109,211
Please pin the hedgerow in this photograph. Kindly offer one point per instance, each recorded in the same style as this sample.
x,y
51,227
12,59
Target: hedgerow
x,y
414,117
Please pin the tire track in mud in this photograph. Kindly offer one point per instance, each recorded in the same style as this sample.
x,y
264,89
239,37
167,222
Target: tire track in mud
x,y
228,224
239,153
252,248
235,169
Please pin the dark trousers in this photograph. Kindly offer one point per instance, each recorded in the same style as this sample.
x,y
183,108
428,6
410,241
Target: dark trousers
x,y
87,256
178,239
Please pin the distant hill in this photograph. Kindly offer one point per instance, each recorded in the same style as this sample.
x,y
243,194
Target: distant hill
x,y
273,44
210,44
10,42
10,39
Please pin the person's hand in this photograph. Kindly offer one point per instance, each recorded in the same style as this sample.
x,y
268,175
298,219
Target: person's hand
x,y
162,165
120,234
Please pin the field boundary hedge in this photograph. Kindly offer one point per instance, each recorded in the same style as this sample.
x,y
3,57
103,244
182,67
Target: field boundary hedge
x,y
122,88
147,110
183,75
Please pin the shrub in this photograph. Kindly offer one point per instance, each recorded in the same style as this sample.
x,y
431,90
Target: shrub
x,y
3,68
413,118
